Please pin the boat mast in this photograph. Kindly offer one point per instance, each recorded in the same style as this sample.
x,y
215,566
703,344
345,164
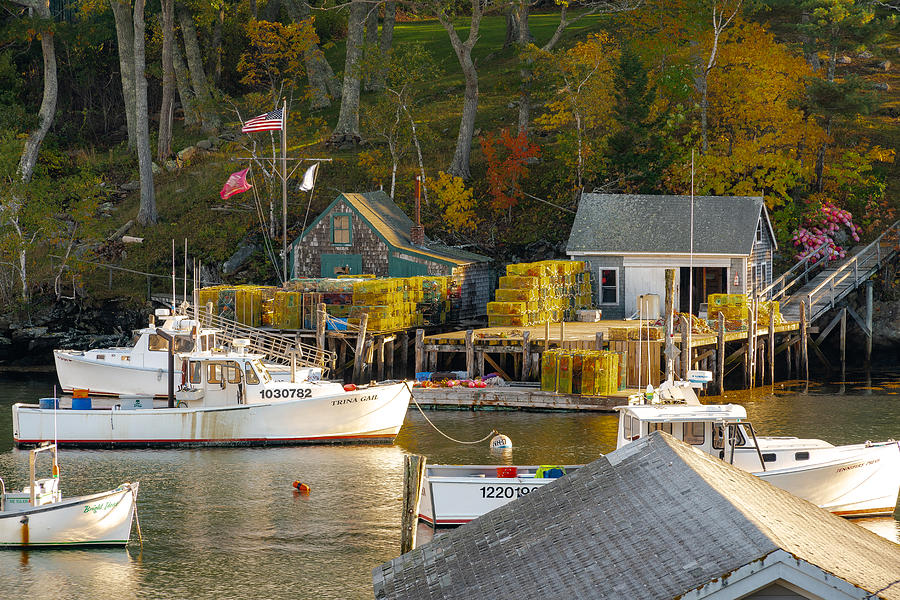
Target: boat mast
x,y
284,178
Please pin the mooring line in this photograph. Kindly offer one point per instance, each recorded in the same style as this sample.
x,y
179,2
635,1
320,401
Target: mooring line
x,y
413,398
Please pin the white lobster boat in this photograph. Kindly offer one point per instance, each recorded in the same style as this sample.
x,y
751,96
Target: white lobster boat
x,y
858,480
230,399
39,516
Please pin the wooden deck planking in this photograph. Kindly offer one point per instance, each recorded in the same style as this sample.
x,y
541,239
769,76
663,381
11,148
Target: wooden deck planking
x,y
515,398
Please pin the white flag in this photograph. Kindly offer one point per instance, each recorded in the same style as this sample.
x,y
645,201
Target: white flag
x,y
309,178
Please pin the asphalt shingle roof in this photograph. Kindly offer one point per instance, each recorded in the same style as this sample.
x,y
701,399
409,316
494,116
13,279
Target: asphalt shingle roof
x,y
654,519
627,223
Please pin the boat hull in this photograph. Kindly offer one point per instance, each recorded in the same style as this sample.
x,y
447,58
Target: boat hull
x,y
374,414
103,378
102,519
861,480
454,495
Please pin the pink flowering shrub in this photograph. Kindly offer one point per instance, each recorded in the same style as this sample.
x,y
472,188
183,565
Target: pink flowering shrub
x,y
816,240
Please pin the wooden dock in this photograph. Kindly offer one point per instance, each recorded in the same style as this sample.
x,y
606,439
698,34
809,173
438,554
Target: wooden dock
x,y
515,397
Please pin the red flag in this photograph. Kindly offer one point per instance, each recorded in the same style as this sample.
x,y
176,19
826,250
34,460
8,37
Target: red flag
x,y
237,183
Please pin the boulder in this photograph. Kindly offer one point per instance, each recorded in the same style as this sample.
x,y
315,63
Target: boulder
x,y
187,154
843,60
155,168
865,55
237,259
204,144
131,186
882,87
884,65
172,165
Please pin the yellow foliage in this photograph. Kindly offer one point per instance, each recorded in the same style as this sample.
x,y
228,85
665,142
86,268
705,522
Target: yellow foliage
x,y
456,201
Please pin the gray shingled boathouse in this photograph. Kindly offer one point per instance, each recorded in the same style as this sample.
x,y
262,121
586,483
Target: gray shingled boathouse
x,y
655,519
630,240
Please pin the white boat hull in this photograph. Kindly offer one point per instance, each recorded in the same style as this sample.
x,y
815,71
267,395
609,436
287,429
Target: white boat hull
x,y
859,481
102,519
373,414
104,378
454,495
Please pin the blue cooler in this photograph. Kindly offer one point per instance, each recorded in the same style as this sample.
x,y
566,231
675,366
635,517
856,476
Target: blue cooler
x,y
48,403
81,404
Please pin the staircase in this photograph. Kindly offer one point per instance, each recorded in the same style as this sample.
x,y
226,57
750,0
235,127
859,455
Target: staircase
x,y
276,347
822,285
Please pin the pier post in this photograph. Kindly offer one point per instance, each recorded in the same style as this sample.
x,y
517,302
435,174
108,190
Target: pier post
x,y
598,341
389,357
720,354
413,473
367,362
869,332
804,350
685,348
546,335
843,343
771,346
479,362
787,356
320,326
562,333
470,353
379,359
526,355
404,353
420,351
751,345
359,358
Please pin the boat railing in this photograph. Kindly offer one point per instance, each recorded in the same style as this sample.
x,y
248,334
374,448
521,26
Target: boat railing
x,y
277,348
2,495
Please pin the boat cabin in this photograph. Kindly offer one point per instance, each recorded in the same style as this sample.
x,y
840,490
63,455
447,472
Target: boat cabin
x,y
222,380
39,492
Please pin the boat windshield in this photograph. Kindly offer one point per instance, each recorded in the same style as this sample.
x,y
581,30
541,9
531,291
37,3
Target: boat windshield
x,y
718,440
183,343
258,367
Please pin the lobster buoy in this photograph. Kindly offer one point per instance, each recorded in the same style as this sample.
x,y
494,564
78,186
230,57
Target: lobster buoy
x,y
349,387
300,487
500,442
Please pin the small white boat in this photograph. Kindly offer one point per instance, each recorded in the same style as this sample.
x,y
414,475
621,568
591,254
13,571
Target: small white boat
x,y
456,494
229,398
40,516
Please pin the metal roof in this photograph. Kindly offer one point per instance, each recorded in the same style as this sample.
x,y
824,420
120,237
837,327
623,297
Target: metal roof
x,y
631,223
652,520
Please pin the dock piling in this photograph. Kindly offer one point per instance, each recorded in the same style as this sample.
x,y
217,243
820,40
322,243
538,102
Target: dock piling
x,y
526,355
804,350
359,357
470,353
772,347
420,350
413,473
720,354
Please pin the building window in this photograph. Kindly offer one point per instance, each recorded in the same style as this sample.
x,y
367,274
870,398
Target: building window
x,y
340,229
609,286
759,232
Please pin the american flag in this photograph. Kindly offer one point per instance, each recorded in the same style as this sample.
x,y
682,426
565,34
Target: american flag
x,y
267,122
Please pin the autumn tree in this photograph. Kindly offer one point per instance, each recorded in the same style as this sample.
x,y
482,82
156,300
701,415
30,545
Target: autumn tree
x,y
507,160
580,95
456,203
274,58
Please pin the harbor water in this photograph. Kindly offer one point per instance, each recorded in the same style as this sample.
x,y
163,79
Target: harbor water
x,y
226,523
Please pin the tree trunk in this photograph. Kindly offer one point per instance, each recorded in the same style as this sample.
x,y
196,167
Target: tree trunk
x,y
195,67
371,43
48,102
525,72
254,10
347,128
125,39
459,166
167,106
386,41
216,58
182,81
323,84
517,28
147,212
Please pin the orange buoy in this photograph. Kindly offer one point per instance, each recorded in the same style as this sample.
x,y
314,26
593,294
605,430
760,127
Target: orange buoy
x,y
349,387
301,487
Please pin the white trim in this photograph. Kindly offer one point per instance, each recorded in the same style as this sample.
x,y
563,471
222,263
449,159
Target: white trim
x,y
673,261
784,568
769,223
600,286
685,254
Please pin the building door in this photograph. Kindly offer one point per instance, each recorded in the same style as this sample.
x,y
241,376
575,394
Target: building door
x,y
341,264
707,280
399,267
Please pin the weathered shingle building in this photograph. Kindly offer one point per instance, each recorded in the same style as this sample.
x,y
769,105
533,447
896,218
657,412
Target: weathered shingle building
x,y
654,520
369,233
630,240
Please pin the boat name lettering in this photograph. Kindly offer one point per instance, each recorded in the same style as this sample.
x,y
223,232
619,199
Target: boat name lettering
x,y
858,465
98,507
505,491
355,399
287,393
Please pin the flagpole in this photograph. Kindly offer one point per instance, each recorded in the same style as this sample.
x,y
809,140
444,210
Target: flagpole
x,y
284,191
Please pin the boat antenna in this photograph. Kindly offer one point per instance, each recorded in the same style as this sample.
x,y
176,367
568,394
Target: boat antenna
x,y
691,277
184,296
640,332
55,472
173,277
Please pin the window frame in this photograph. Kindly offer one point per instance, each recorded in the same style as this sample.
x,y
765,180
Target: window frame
x,y
348,229
601,287
690,425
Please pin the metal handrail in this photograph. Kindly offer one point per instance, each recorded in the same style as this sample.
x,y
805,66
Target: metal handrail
x,y
767,291
277,348
863,254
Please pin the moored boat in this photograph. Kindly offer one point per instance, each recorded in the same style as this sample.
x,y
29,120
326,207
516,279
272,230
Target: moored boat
x,y
229,398
39,516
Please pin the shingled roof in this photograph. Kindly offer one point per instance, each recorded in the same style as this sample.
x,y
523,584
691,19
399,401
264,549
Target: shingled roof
x,y
628,223
393,226
654,519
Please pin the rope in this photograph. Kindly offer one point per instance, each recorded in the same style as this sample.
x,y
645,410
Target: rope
x,y
137,521
484,439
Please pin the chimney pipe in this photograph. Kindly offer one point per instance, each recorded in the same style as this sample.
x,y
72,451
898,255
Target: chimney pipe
x,y
417,233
